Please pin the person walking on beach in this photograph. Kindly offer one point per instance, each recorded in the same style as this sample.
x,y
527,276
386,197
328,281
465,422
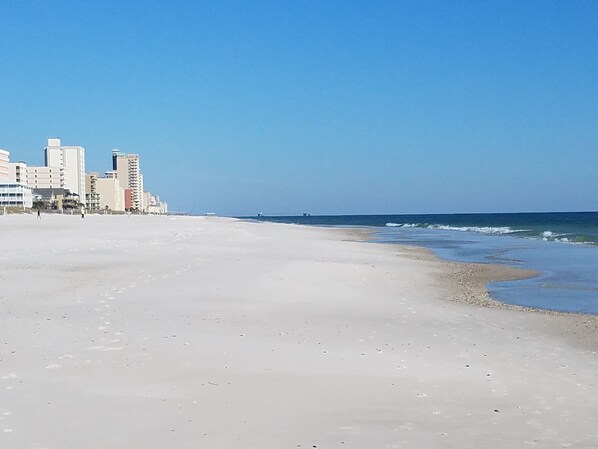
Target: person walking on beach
x,y
39,216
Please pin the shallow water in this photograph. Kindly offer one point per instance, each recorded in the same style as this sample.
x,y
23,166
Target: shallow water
x,y
568,279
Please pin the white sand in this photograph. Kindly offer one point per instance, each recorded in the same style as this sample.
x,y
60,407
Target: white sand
x,y
156,332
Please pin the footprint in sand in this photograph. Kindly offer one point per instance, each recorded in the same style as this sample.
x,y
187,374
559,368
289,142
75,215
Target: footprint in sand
x,y
103,348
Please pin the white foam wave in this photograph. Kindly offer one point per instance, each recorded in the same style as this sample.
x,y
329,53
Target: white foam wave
x,y
553,236
502,230
479,229
549,236
406,225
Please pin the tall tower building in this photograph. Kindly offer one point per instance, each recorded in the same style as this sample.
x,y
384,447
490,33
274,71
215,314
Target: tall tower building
x,y
129,176
72,160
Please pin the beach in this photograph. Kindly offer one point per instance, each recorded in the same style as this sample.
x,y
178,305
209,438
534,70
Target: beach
x,y
207,332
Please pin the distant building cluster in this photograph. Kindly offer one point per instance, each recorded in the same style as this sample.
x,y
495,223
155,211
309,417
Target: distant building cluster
x,y
62,183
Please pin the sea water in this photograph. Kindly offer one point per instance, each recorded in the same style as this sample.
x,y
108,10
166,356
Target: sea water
x,y
561,247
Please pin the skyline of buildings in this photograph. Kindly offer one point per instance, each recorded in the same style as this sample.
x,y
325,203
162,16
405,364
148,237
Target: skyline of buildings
x,y
63,181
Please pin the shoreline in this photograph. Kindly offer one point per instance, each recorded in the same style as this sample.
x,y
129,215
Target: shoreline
x,y
466,283
468,280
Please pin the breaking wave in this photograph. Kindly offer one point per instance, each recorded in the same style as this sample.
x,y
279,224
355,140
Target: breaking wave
x,y
550,236
505,230
495,230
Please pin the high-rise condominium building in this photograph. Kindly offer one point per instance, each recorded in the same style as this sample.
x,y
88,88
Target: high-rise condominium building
x,y
129,176
4,164
72,160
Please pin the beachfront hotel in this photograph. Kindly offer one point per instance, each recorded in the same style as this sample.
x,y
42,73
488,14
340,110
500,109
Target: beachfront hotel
x,y
17,171
153,205
104,193
12,193
71,159
4,169
45,177
128,172
36,177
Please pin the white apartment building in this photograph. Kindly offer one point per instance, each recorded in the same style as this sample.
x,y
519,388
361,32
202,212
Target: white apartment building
x,y
4,171
129,175
72,160
45,177
17,172
153,205
13,194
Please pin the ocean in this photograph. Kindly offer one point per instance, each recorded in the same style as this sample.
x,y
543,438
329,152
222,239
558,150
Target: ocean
x,y
561,247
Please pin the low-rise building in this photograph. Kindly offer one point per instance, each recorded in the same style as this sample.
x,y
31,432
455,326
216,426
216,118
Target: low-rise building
x,y
154,205
13,194
57,199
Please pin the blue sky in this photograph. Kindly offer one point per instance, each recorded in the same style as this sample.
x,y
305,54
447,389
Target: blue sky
x,y
326,107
